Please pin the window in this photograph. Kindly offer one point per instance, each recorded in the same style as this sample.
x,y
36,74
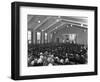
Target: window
x,y
29,37
72,38
46,38
38,37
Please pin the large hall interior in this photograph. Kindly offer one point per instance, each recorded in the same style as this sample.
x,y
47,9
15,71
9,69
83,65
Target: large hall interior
x,y
57,40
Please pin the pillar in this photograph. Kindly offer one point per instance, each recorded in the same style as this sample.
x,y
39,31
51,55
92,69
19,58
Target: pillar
x,y
42,37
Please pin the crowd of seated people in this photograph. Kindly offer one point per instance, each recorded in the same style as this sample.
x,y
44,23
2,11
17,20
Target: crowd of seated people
x,y
56,54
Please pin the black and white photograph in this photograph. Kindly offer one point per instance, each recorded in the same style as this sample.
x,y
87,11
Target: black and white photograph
x,y
57,40
53,40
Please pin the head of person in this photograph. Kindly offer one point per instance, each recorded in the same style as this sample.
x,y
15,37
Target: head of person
x,y
56,57
35,60
52,55
49,59
77,55
82,56
41,57
46,52
84,47
66,55
41,53
66,60
39,60
58,60
61,61
50,64
32,62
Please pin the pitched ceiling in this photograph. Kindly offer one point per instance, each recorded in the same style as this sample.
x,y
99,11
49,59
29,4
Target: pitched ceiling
x,y
51,23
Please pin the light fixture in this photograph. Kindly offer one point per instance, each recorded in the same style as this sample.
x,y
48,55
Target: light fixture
x,y
81,25
84,30
71,25
67,26
56,27
38,21
54,32
42,30
57,20
58,16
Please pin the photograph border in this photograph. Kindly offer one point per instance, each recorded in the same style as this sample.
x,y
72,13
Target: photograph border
x,y
15,40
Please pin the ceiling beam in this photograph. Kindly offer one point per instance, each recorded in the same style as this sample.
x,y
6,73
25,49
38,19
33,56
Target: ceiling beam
x,y
41,23
33,17
70,22
57,27
80,27
51,25
74,21
83,27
